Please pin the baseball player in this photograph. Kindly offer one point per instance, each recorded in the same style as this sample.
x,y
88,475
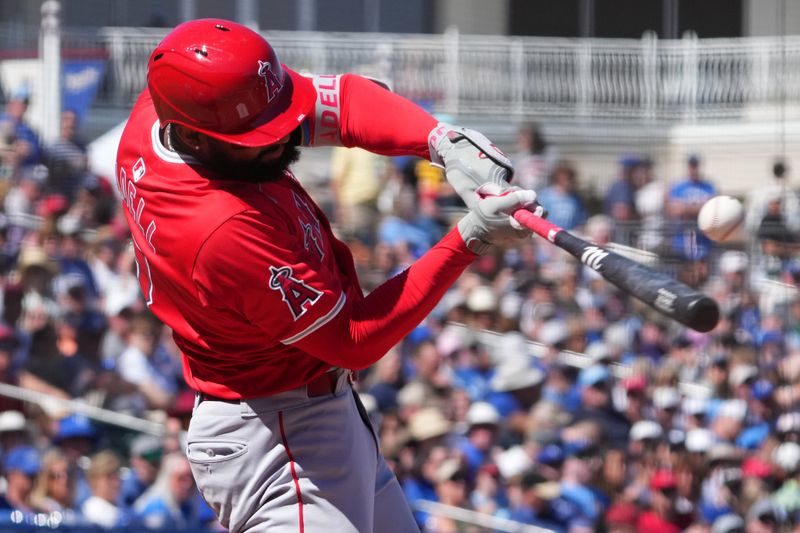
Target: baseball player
x,y
264,301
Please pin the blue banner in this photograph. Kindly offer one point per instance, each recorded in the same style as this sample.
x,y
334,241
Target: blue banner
x,y
80,79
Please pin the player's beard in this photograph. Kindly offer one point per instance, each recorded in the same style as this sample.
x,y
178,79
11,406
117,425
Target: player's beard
x,y
255,171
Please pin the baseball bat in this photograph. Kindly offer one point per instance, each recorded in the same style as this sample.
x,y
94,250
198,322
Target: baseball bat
x,y
661,292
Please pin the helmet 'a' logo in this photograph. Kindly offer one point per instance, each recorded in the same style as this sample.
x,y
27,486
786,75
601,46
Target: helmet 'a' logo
x,y
271,81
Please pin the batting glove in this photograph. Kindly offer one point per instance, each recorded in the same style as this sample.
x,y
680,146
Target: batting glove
x,y
469,160
490,222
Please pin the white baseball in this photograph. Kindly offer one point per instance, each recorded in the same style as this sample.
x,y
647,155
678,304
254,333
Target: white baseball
x,y
720,217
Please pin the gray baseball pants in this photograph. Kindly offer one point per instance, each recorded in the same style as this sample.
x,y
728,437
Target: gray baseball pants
x,y
294,463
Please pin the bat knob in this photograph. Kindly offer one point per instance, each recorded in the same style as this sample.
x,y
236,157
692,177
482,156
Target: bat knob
x,y
702,314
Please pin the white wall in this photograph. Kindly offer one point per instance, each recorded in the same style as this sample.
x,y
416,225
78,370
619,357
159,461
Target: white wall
x,y
487,17
762,17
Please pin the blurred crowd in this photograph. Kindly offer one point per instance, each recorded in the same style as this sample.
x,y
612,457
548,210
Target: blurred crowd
x,y
535,392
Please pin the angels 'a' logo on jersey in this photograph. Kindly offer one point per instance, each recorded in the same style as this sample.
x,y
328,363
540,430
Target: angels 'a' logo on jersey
x,y
297,294
271,81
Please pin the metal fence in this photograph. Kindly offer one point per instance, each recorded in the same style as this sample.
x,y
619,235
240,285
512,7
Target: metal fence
x,y
650,80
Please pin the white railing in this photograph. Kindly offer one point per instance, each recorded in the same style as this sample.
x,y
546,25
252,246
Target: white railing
x,y
516,78
54,404
474,518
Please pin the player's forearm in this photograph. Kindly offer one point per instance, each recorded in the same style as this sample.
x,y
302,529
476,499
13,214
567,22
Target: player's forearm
x,y
365,330
380,121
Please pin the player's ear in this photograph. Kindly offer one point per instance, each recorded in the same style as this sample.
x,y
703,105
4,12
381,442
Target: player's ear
x,y
189,138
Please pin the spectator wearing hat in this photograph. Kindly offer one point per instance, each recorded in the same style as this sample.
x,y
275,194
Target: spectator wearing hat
x,y
595,386
717,497
728,419
582,465
761,411
102,508
76,436
539,503
482,428
516,387
560,387
786,458
728,523
26,147
145,461
684,200
693,409
662,515
13,430
645,437
635,400
488,495
765,516
622,517
21,466
451,489
758,481
666,401
620,200
173,502
54,490
774,187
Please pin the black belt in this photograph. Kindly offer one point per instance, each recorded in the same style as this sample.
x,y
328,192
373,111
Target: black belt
x,y
322,385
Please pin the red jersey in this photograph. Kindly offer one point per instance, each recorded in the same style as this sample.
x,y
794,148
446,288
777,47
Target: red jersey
x,y
260,295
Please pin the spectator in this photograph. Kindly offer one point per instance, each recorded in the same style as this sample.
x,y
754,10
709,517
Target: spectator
x,y
104,479
24,141
684,201
662,515
483,420
619,203
145,463
139,364
451,489
408,231
595,385
13,430
758,199
76,436
54,490
356,177
561,198
66,157
535,157
21,465
172,502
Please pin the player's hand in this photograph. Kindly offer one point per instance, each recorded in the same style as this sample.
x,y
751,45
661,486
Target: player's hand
x,y
490,222
469,160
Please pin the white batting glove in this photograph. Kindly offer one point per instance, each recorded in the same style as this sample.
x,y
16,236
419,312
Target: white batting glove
x,y
469,160
490,222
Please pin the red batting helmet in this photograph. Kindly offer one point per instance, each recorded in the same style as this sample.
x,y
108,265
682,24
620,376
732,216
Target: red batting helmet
x,y
224,80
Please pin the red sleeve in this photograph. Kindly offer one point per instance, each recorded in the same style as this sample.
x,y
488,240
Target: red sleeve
x,y
381,121
365,329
